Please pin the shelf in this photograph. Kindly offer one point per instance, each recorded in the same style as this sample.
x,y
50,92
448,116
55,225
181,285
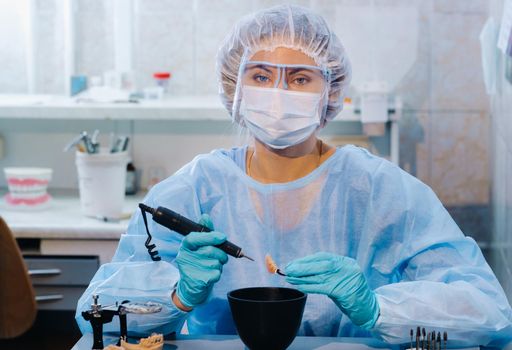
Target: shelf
x,y
180,108
63,220
57,107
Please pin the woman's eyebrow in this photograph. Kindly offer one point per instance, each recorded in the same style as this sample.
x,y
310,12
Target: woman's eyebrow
x,y
295,70
299,69
261,66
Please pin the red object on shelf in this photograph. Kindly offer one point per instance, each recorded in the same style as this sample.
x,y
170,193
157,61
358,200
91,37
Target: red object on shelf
x,y
31,202
162,75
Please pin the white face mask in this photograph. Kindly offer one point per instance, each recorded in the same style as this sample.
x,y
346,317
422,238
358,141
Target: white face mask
x,y
280,118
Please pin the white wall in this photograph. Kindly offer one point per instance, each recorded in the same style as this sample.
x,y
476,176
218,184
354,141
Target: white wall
x,y
444,131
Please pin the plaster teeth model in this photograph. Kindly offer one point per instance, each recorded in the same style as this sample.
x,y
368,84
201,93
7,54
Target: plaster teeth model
x,y
153,342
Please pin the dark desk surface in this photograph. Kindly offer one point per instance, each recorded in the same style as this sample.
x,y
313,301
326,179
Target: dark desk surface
x,y
228,342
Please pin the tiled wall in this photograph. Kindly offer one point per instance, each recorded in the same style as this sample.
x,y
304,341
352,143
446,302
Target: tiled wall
x,y
502,171
444,131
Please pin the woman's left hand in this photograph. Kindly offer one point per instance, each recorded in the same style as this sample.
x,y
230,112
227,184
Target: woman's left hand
x,y
341,279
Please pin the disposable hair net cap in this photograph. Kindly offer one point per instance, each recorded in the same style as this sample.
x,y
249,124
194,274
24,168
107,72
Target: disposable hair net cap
x,y
289,26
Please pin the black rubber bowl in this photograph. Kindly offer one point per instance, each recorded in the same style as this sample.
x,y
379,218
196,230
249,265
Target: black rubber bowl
x,y
267,317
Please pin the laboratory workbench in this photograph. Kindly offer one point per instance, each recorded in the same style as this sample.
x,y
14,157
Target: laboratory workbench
x,y
233,342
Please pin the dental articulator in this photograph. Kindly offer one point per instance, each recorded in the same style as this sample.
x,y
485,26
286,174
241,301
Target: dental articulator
x,y
98,315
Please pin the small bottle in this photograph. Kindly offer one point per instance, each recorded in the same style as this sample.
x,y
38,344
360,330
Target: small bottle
x,y
162,80
131,179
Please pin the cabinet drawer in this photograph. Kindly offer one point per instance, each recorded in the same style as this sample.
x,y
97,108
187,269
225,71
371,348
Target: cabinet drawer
x,y
58,298
52,270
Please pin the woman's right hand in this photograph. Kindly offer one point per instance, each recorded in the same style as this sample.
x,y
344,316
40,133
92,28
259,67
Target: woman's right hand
x,y
200,265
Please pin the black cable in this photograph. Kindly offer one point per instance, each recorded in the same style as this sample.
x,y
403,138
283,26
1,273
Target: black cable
x,y
152,253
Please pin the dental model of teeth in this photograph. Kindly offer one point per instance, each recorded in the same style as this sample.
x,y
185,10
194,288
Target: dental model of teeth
x,y
153,342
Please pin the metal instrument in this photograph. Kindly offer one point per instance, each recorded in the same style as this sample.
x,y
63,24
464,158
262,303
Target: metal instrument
x,y
99,315
428,340
183,226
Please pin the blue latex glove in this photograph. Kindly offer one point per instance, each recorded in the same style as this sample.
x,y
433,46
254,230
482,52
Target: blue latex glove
x,y
200,264
340,278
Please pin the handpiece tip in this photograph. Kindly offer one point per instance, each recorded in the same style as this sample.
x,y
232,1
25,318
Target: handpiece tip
x,y
245,256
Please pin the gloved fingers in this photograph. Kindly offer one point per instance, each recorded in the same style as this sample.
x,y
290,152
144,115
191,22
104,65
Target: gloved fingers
x,y
299,268
310,288
195,291
315,257
200,277
194,240
211,252
206,221
191,262
297,264
215,276
314,279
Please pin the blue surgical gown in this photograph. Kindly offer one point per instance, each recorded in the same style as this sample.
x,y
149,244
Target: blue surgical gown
x,y
424,271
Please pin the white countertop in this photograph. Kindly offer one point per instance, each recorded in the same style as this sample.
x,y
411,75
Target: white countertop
x,y
179,108
60,107
62,219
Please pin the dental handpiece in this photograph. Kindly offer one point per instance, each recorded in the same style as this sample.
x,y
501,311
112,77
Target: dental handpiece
x,y
184,226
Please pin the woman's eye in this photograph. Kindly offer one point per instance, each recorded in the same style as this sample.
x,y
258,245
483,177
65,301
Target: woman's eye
x,y
261,78
301,80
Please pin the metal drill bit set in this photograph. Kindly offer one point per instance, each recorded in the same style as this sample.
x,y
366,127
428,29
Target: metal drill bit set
x,y
428,340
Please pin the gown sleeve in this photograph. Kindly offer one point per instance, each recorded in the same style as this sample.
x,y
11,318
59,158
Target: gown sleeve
x,y
442,281
133,276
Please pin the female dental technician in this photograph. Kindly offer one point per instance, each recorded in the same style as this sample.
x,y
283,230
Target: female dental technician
x,y
371,245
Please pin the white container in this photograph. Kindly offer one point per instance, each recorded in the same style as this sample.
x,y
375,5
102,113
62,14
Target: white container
x,y
153,93
27,187
374,107
101,182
